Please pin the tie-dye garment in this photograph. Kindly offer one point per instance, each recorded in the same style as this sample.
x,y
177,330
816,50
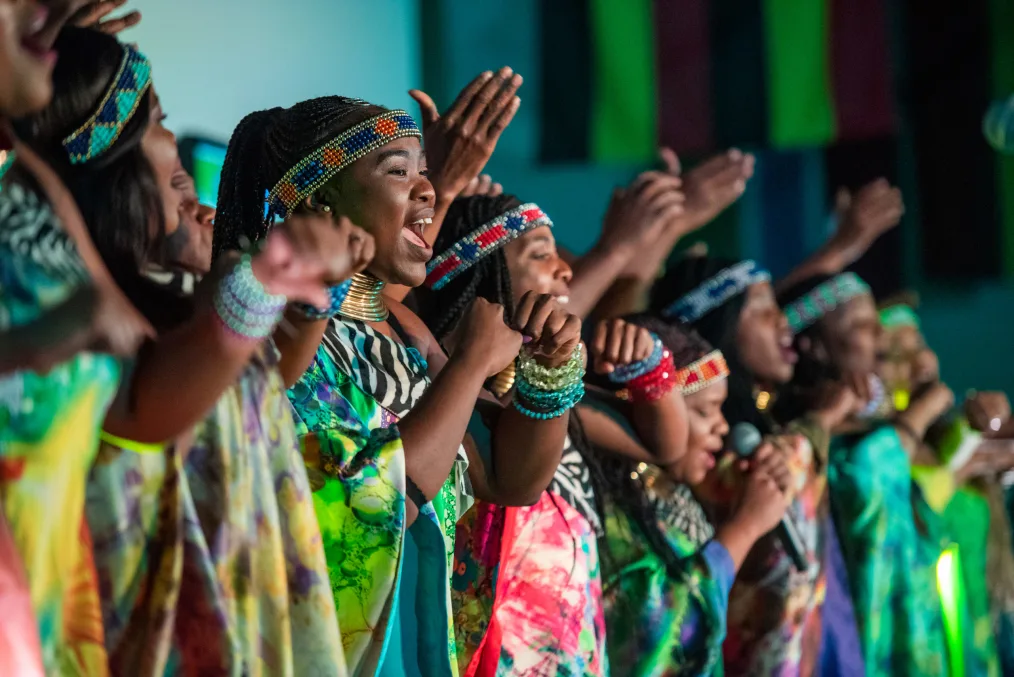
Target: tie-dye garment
x,y
49,427
774,609
545,616
665,620
891,544
347,406
20,652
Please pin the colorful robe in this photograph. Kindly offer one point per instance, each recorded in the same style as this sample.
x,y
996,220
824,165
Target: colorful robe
x,y
347,406
891,544
49,430
544,615
665,619
208,552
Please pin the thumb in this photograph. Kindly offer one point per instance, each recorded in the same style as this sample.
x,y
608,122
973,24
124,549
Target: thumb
x,y
670,160
427,108
842,200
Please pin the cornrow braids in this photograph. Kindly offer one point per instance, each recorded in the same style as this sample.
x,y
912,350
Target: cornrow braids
x,y
266,145
488,278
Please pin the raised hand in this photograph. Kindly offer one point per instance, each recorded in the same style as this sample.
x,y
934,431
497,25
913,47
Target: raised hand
x,y
763,503
482,185
117,327
711,186
461,141
863,217
487,339
987,411
554,332
93,15
310,252
617,343
638,213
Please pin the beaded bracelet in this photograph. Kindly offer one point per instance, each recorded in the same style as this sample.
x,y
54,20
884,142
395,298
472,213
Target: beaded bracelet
x,y
629,372
544,393
655,384
337,293
552,378
244,306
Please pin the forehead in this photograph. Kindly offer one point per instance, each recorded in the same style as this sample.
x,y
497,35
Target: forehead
x,y
713,394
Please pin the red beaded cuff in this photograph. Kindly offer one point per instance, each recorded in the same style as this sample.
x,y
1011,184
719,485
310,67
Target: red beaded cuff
x,y
654,385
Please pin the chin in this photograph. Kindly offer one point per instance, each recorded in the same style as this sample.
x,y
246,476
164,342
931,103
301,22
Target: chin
x,y
33,100
409,276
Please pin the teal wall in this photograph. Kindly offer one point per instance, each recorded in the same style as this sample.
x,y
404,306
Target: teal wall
x,y
971,326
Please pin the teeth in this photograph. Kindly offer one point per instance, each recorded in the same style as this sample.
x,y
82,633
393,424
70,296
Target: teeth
x,y
428,221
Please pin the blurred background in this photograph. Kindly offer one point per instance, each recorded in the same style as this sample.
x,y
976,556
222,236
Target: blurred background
x,y
827,93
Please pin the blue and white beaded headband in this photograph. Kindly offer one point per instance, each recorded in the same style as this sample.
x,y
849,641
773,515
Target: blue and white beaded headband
x,y
824,298
482,242
321,165
715,291
101,130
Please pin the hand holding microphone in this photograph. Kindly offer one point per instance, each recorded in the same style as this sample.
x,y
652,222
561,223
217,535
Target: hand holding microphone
x,y
766,508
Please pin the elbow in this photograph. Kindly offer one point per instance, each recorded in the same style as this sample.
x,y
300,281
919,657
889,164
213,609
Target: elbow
x,y
520,498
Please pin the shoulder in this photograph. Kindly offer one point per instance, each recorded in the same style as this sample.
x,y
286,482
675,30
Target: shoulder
x,y
422,337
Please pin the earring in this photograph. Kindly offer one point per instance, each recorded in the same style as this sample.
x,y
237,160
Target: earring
x,y
326,209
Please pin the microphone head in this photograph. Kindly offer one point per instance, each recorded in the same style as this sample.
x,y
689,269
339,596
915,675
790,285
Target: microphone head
x,y
998,125
745,439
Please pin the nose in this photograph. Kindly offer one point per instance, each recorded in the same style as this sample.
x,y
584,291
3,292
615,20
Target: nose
x,y
722,426
206,215
423,191
563,271
783,321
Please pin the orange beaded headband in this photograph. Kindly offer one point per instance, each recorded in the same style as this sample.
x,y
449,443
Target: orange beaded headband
x,y
698,375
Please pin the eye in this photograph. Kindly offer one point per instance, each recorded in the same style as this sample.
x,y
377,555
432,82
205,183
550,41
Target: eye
x,y
398,171
425,172
541,256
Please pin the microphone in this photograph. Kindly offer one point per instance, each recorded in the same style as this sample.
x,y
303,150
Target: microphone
x,y
745,440
998,125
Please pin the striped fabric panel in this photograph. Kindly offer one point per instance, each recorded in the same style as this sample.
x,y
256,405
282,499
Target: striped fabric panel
x,y
799,93
684,76
379,366
624,99
861,69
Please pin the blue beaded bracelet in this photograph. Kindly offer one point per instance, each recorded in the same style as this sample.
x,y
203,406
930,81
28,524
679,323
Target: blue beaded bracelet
x,y
337,293
244,306
539,413
629,372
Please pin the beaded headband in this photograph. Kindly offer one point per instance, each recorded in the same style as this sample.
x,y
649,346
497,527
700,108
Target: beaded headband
x,y
483,241
117,107
895,317
824,298
715,291
321,165
700,374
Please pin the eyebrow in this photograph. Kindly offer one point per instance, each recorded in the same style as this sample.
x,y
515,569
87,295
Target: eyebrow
x,y
393,152
540,239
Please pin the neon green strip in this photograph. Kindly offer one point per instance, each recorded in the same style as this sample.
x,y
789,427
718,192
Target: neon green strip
x,y
800,105
624,98
130,445
1002,46
952,601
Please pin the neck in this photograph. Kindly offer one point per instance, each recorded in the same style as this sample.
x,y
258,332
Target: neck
x,y
365,302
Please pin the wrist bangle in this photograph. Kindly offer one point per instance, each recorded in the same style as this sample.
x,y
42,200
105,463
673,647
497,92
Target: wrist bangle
x,y
629,372
544,393
337,294
244,306
655,384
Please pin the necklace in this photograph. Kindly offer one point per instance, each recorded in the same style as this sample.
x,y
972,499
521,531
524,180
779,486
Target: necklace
x,y
364,301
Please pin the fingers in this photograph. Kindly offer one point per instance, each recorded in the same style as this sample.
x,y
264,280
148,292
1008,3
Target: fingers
x,y
114,26
598,347
670,161
614,347
561,334
484,98
644,344
504,99
497,126
495,190
456,111
93,12
630,332
427,109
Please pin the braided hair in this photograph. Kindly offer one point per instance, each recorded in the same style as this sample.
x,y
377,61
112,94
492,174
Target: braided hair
x,y
265,145
487,278
117,191
719,328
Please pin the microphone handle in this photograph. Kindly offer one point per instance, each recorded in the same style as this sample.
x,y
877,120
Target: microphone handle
x,y
787,533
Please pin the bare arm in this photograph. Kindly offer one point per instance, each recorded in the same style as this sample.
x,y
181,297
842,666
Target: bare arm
x,y
297,339
53,338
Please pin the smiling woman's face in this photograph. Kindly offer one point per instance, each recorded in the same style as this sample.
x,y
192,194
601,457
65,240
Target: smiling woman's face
x,y
707,426
535,265
388,194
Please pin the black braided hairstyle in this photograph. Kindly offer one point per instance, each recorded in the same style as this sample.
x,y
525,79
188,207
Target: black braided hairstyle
x,y
265,145
813,370
116,192
718,327
488,278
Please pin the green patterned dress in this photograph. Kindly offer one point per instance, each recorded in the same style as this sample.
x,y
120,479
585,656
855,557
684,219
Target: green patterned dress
x,y
49,434
347,406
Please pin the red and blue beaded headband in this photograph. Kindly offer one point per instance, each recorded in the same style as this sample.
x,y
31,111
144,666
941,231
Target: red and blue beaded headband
x,y
321,165
715,291
101,130
483,241
824,298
